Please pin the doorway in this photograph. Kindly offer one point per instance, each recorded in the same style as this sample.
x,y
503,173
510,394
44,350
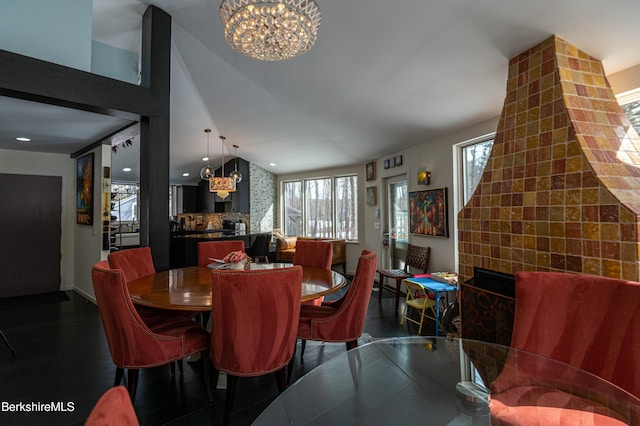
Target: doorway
x,y
396,235
31,233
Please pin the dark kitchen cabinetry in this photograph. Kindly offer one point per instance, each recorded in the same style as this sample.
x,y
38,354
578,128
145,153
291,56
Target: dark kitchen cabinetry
x,y
187,199
238,201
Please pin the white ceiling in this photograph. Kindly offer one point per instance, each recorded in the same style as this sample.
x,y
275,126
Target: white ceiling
x,y
383,76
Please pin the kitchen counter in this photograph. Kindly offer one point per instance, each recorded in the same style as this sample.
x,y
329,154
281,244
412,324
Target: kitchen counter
x,y
184,246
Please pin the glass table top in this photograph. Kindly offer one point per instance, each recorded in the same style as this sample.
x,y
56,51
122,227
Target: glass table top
x,y
433,381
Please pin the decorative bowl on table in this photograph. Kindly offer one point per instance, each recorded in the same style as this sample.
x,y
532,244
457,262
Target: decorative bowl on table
x,y
237,259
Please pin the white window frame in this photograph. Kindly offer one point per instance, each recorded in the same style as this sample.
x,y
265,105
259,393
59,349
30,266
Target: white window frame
x,y
333,202
458,183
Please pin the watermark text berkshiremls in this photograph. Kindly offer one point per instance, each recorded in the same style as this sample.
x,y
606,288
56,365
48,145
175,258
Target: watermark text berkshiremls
x,y
37,407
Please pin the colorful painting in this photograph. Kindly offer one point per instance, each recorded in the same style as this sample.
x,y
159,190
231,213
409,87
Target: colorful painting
x,y
84,190
428,212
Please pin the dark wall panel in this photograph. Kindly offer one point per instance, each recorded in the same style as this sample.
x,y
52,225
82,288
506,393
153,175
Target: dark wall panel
x,y
30,230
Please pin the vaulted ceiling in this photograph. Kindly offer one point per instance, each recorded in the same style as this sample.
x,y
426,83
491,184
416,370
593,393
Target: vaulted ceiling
x,y
383,75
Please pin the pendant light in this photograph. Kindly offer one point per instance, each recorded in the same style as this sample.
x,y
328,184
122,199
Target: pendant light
x,y
222,185
235,174
206,172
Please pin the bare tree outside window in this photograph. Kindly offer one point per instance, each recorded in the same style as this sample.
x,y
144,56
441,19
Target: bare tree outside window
x,y
474,160
321,207
292,195
346,196
318,202
633,112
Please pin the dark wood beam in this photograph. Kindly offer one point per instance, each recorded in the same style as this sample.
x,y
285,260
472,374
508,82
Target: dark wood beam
x,y
154,136
41,81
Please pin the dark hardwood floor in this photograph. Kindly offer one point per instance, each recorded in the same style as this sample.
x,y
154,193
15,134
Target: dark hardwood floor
x,y
62,356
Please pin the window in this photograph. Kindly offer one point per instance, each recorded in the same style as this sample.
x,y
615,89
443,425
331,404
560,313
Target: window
x,y
321,207
318,204
632,110
473,160
124,205
346,202
292,201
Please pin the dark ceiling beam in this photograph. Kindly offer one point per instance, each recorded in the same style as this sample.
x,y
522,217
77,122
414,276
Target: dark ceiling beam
x,y
36,80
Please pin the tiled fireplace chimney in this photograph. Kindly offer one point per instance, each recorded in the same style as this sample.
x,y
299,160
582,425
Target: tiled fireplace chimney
x,y
561,189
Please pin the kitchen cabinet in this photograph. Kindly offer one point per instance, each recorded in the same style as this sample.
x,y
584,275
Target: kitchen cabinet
x,y
238,201
187,199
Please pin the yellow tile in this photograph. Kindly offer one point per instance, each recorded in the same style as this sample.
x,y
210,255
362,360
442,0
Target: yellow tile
x,y
628,252
610,232
611,268
591,231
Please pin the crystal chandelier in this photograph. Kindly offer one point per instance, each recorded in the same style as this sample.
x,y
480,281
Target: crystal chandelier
x,y
222,185
270,30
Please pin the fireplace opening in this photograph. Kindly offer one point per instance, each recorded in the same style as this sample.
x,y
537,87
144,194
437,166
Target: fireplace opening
x,y
488,305
494,281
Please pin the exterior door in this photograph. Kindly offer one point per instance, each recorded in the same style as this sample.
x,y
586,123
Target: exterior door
x,y
397,226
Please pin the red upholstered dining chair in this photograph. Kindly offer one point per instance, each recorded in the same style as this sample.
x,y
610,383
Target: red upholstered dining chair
x,y
417,258
217,250
137,263
113,408
135,344
313,253
316,254
253,324
589,322
134,262
341,320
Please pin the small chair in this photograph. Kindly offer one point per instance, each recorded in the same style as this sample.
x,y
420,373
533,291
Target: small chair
x,y
217,250
135,344
259,250
417,257
253,324
589,322
113,408
341,320
418,298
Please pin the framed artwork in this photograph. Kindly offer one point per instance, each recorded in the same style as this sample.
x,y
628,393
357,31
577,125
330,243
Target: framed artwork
x,y
428,213
398,160
387,163
371,196
371,171
84,190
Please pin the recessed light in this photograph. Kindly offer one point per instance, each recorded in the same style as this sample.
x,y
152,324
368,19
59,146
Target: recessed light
x,y
21,139
126,169
272,164
205,158
185,174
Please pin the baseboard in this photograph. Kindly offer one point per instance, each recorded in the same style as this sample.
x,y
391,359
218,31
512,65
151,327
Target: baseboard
x,y
86,295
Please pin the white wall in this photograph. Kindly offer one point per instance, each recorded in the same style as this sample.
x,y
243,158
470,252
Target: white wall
x,y
436,155
88,239
625,80
20,162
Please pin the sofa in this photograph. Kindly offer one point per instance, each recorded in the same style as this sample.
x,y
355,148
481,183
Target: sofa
x,y
286,249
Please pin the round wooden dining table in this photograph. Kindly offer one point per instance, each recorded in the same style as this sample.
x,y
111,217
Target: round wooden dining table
x,y
189,288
